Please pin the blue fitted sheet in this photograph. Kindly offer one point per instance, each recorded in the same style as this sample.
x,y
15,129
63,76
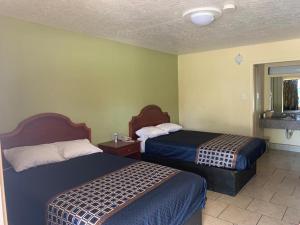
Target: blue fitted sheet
x,y
182,145
28,192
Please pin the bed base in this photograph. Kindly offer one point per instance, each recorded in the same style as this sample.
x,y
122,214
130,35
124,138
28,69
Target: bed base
x,y
196,218
220,180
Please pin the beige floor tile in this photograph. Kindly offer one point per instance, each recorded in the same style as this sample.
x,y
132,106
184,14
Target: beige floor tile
x,y
257,192
213,195
287,200
266,162
285,173
297,191
281,172
295,167
283,162
214,208
265,170
271,221
282,188
279,175
258,180
293,175
268,166
239,216
291,181
267,208
292,216
285,165
239,200
209,220
282,153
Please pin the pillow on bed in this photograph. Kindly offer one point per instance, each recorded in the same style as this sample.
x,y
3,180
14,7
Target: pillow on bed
x,y
150,132
25,157
169,127
76,148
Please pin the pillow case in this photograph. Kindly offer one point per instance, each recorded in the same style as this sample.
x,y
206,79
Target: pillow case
x,y
142,141
169,127
150,132
25,157
76,148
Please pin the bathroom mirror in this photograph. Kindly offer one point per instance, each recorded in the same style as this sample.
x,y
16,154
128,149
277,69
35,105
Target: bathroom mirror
x,y
282,87
285,94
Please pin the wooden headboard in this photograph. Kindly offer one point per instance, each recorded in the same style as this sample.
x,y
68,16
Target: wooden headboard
x,y
43,129
150,115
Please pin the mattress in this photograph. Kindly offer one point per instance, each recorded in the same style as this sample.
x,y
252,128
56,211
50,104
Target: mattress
x,y
28,192
182,145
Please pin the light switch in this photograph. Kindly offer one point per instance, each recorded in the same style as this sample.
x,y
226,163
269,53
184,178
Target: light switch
x,y
244,96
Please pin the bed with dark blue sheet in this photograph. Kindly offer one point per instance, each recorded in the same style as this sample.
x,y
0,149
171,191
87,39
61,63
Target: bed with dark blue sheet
x,y
183,145
184,149
28,192
174,197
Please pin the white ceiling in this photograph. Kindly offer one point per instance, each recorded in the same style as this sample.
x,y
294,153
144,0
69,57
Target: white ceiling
x,y
158,24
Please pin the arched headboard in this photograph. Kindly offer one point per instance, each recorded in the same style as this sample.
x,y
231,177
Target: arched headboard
x,y
150,115
44,128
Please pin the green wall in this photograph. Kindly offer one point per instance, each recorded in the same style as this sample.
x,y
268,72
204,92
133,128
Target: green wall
x,y
100,82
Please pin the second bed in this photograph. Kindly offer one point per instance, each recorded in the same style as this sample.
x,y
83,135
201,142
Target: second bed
x,y
204,153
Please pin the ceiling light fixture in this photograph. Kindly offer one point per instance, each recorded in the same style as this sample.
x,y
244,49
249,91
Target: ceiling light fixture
x,y
203,16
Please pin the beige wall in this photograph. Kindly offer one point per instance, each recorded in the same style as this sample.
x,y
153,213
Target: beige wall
x,y
103,83
100,82
216,94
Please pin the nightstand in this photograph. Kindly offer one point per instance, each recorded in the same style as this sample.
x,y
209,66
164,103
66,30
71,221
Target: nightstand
x,y
121,148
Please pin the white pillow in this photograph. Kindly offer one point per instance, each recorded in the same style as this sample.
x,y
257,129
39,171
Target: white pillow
x,y
150,132
76,148
25,157
142,141
169,127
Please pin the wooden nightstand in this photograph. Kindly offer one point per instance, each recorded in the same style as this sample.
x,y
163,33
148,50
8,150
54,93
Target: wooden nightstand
x,y
121,148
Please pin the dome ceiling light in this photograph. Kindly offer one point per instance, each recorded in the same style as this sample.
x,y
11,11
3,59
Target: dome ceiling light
x,y
206,15
203,16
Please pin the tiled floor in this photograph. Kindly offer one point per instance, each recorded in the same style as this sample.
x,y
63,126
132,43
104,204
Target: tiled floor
x,y
272,197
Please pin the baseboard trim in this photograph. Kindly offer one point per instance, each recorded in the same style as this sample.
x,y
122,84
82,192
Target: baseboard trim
x,y
291,148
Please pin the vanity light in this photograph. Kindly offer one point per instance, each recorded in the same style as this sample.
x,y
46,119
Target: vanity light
x,y
203,16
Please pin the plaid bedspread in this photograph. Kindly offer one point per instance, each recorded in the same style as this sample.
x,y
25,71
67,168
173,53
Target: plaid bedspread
x,y
96,201
221,151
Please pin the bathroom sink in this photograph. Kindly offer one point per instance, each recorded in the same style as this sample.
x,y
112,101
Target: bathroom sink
x,y
289,118
284,116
